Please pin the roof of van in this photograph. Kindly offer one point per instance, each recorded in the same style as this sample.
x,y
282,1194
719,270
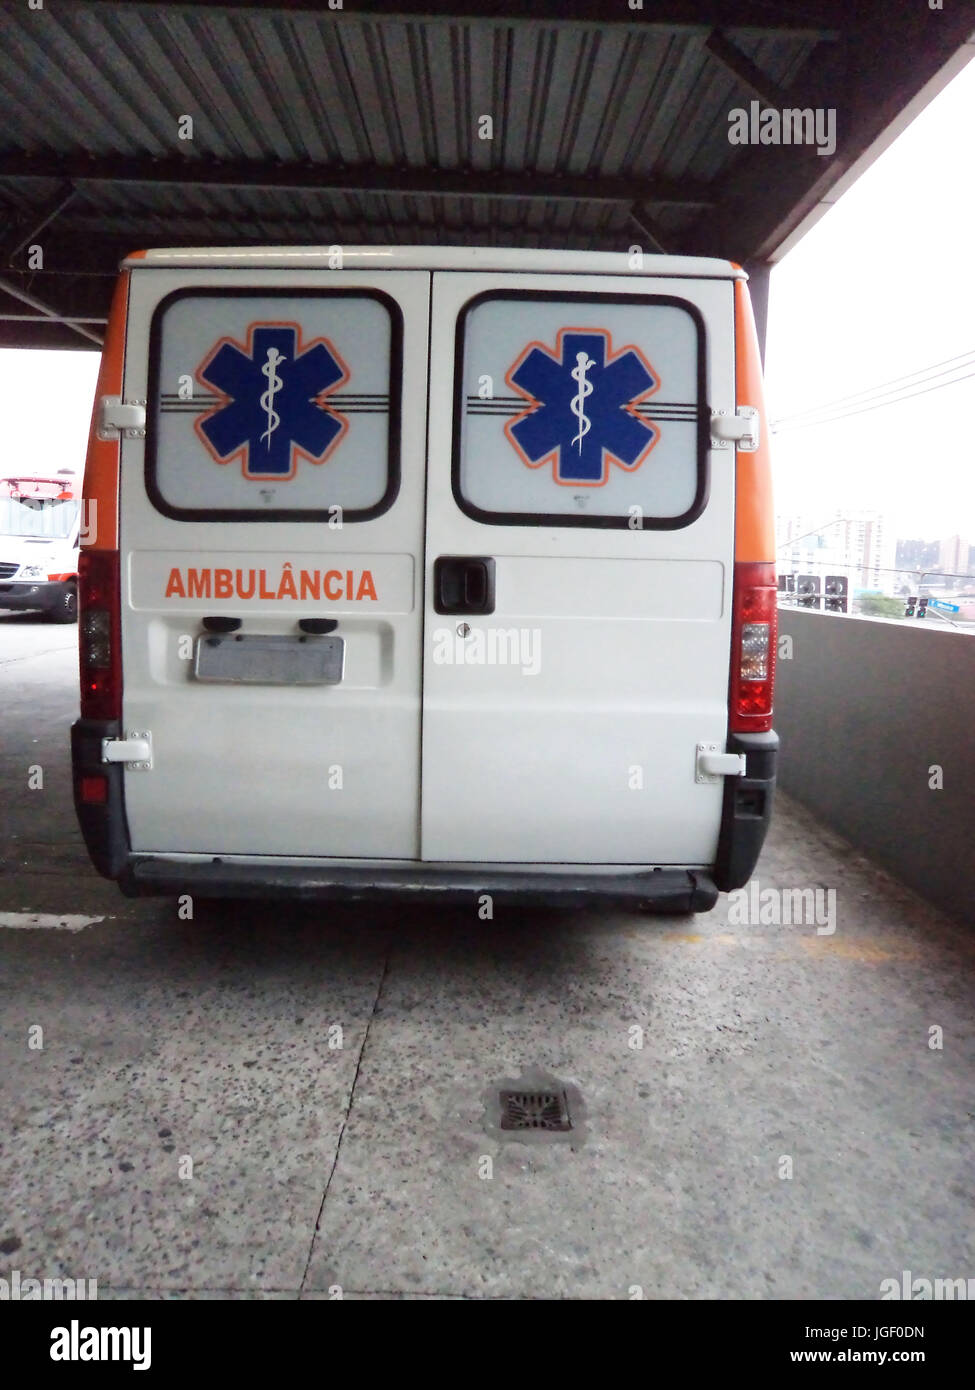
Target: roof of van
x,y
472,258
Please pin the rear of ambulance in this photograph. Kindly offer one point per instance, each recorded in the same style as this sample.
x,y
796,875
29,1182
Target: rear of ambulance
x,y
355,622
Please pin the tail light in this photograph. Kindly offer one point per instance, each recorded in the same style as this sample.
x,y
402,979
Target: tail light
x,y
99,634
754,631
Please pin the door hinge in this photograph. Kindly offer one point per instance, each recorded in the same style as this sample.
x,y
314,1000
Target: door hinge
x,y
135,750
712,765
740,429
118,418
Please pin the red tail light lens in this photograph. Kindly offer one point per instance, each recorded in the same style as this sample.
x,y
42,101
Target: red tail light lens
x,y
98,634
94,790
754,634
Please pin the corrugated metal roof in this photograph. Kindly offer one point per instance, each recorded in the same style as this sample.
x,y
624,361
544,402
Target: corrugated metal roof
x,y
358,90
354,126
349,90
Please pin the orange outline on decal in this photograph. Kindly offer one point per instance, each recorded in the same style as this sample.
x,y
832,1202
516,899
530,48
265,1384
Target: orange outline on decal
x,y
536,404
243,452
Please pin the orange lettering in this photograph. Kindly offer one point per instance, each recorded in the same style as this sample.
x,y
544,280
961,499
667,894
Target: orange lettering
x,y
327,584
367,588
175,585
265,592
311,583
249,591
198,583
223,583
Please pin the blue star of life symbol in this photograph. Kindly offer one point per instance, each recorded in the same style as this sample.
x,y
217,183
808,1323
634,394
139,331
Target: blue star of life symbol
x,y
272,408
583,406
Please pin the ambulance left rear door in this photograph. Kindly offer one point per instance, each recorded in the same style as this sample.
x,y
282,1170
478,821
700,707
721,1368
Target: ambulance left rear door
x,y
271,560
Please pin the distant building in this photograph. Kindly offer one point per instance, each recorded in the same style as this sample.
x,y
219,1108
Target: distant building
x,y
857,543
953,555
916,554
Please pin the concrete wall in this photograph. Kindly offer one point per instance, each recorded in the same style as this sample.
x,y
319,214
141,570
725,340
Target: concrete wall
x,y
864,708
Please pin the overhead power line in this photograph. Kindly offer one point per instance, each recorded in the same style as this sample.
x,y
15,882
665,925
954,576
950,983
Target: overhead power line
x,y
886,388
875,405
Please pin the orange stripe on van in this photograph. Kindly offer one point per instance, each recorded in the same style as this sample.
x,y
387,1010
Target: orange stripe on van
x,y
102,464
754,512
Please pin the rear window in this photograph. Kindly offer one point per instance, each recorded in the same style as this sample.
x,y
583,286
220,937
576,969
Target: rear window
x,y
267,405
580,410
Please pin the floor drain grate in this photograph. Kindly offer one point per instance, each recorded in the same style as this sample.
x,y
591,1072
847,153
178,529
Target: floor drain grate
x,y
535,1110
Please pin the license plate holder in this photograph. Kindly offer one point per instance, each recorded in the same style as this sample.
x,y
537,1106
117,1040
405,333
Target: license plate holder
x,y
269,659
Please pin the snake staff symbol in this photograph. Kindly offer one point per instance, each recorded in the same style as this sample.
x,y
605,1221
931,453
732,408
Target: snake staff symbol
x,y
273,405
586,388
274,384
582,417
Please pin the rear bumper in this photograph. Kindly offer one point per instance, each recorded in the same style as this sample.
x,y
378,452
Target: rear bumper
x,y
745,819
37,596
662,890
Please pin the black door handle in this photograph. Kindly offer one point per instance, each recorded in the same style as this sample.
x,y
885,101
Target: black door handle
x,y
463,584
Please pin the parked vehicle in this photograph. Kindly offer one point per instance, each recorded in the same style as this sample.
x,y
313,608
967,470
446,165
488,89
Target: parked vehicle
x,y
431,569
39,534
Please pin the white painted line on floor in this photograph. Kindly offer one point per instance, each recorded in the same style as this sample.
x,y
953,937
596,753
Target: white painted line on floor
x,y
66,921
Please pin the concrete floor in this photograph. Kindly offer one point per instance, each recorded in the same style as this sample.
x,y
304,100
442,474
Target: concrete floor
x,y
362,1166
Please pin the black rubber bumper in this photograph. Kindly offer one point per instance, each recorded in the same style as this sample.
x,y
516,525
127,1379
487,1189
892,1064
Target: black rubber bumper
x,y
103,825
659,890
747,809
38,598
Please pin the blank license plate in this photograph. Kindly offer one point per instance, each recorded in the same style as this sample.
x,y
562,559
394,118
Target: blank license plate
x,y
270,660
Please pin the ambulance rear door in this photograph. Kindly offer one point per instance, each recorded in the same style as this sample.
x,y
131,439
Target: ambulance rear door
x,y
278,493
579,568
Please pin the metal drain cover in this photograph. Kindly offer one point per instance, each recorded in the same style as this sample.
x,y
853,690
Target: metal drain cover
x,y
535,1110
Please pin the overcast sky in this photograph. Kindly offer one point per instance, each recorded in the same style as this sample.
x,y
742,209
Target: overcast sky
x,y
882,285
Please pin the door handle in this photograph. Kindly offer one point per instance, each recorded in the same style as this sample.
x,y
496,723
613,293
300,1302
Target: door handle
x,y
463,584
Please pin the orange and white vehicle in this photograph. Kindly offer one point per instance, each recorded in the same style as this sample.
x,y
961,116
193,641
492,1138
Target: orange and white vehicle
x,y
427,568
39,535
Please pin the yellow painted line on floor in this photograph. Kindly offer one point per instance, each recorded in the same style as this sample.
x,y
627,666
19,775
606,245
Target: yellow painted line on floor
x,y
867,951
857,948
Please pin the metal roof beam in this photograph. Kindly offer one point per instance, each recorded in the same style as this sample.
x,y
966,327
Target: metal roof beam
x,y
26,228
47,318
797,18
731,57
371,178
647,224
52,315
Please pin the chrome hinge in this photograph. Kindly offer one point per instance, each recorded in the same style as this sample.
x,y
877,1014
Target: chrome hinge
x,y
117,418
740,429
135,750
712,765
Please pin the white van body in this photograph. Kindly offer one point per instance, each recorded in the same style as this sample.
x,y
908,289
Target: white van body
x,y
39,540
532,631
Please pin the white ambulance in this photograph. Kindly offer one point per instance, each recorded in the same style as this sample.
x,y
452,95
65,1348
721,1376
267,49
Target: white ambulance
x,y
428,570
39,536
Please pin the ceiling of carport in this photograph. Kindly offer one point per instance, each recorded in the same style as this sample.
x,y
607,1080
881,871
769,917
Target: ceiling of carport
x,y
361,125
